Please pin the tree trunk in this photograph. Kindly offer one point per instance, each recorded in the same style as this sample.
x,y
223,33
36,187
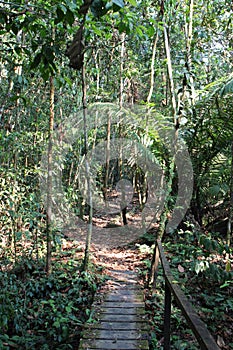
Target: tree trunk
x,y
49,177
152,71
106,178
164,216
87,170
229,225
170,75
189,38
121,98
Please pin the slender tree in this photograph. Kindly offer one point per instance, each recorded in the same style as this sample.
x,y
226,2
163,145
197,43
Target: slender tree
x,y
50,176
106,177
230,216
87,171
121,102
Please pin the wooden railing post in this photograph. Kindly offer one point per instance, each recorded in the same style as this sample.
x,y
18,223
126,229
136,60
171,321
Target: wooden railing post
x,y
167,316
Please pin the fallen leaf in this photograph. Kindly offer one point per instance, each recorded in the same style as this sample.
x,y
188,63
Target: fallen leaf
x,y
220,342
180,269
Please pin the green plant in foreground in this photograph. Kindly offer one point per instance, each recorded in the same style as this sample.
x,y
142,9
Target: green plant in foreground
x,y
45,312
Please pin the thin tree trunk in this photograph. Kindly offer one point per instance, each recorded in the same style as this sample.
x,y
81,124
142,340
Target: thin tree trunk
x,y
176,125
96,59
189,38
121,99
170,75
229,226
188,77
87,170
106,179
70,173
49,177
152,71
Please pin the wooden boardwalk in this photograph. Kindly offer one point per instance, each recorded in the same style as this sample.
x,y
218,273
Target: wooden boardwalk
x,y
121,317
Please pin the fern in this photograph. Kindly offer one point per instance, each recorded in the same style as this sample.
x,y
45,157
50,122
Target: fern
x,y
227,88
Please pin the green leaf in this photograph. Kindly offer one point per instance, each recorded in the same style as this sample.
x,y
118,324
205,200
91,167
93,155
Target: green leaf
x,y
139,31
17,97
60,16
3,18
150,31
70,17
97,31
35,63
68,309
45,74
98,8
228,266
133,2
226,284
227,88
119,3
63,8
72,5
56,324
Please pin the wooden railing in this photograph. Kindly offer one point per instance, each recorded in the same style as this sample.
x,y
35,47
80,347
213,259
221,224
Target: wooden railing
x,y
203,336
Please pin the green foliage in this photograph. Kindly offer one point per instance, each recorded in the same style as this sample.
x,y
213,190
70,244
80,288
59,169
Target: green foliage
x,y
197,253
35,37
198,265
227,88
22,216
45,311
202,271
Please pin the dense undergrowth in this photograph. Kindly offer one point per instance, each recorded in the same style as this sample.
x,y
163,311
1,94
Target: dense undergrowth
x,y
40,311
202,266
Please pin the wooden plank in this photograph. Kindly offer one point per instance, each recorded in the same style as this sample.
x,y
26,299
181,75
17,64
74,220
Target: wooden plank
x,y
122,282
121,285
122,298
122,310
125,296
115,345
121,318
124,277
127,291
118,311
109,303
120,334
121,326
123,272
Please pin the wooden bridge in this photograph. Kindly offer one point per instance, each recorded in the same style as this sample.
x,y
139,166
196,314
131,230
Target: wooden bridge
x,y
122,322
121,317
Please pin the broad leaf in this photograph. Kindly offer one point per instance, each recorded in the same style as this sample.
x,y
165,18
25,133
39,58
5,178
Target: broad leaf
x,y
98,8
227,88
60,15
36,61
133,2
119,3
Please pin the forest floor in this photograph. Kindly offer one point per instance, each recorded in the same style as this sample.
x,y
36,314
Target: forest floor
x,y
108,230
64,298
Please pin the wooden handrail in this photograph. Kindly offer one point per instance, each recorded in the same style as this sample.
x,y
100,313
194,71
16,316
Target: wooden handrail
x,y
203,336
